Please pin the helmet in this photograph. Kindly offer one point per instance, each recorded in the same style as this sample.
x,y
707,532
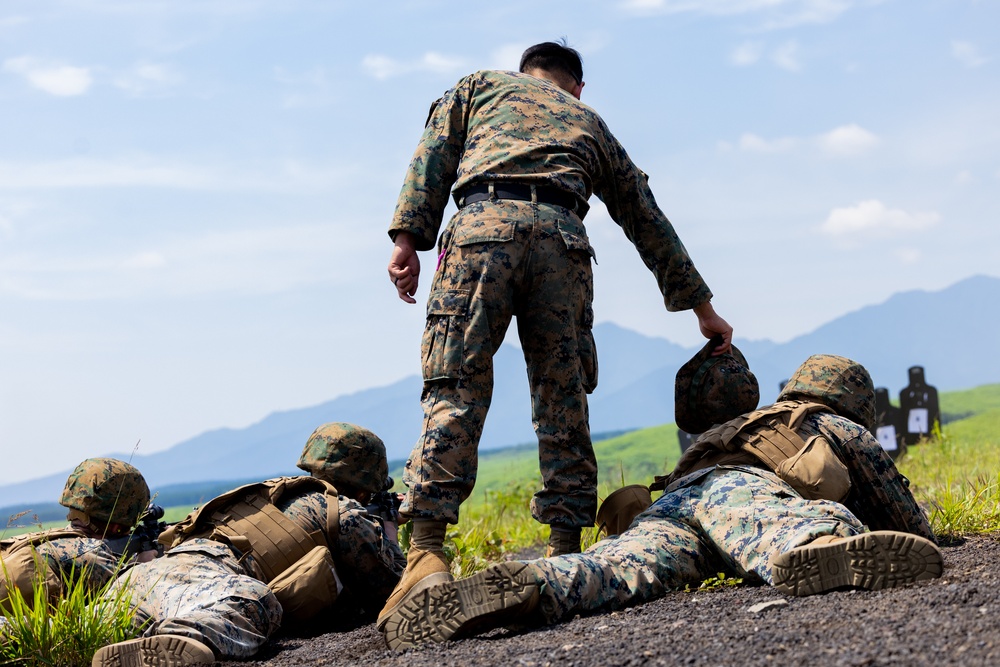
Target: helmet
x,y
347,455
837,382
710,390
107,490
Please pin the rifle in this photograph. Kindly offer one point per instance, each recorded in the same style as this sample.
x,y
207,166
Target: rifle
x,y
144,537
385,505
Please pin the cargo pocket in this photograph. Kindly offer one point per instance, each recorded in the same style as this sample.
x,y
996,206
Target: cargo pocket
x,y
443,346
575,237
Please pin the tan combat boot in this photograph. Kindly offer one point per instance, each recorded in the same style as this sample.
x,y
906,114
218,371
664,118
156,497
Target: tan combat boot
x,y
155,651
455,609
877,560
426,565
563,541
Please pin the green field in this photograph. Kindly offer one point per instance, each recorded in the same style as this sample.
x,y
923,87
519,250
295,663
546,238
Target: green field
x,y
957,472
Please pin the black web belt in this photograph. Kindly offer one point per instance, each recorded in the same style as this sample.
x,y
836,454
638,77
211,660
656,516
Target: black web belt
x,y
543,194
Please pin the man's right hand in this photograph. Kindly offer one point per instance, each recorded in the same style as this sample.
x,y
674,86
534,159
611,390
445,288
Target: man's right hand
x,y
404,267
711,324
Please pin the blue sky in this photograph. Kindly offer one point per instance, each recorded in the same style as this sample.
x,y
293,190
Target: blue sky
x,y
194,193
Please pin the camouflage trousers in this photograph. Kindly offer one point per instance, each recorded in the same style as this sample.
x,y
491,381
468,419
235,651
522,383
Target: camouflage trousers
x,y
724,519
499,260
199,590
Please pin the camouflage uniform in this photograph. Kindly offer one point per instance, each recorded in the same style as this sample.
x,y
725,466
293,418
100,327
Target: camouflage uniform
x,y
727,519
203,590
105,498
500,258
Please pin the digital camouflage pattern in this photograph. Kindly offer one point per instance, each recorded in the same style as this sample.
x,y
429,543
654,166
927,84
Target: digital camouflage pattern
x,y
501,258
712,389
725,519
202,590
731,519
843,384
515,127
544,277
346,456
108,490
66,556
880,495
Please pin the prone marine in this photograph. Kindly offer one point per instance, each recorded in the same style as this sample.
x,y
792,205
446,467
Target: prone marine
x,y
281,550
798,495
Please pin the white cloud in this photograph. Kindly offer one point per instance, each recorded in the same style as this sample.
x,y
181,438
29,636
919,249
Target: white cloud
x,y
873,218
273,176
145,78
507,57
244,261
752,143
786,56
51,77
383,67
746,54
776,13
309,89
965,177
145,260
908,255
847,140
967,54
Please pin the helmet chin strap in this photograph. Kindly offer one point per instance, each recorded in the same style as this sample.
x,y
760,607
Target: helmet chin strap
x,y
92,527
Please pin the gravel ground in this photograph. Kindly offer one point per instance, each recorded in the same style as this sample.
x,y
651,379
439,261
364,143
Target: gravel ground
x,y
954,620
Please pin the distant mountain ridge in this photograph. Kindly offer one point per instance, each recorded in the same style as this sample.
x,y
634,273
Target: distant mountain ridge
x,y
947,332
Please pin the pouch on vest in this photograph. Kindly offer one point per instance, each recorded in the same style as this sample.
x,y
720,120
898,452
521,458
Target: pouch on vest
x,y
19,568
620,509
308,587
816,472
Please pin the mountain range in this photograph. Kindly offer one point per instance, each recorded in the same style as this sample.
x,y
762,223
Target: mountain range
x,y
947,332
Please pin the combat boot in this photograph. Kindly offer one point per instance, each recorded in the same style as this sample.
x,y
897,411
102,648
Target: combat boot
x,y
563,541
490,599
877,560
155,651
426,565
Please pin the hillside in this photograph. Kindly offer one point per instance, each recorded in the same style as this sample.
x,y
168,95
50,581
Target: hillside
x,y
941,331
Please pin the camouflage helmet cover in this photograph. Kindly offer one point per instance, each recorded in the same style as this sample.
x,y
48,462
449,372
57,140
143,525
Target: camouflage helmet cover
x,y
711,390
346,455
108,490
837,382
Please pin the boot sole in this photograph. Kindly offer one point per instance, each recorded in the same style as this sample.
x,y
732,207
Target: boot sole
x,y
457,608
873,561
422,585
161,651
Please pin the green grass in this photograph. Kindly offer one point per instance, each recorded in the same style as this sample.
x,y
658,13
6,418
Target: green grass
x,y
955,475
68,631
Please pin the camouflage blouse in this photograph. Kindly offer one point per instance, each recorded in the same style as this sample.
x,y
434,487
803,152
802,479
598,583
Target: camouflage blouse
x,y
368,563
505,126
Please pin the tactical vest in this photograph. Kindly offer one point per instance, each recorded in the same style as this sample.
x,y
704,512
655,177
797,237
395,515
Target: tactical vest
x,y
20,563
248,519
769,436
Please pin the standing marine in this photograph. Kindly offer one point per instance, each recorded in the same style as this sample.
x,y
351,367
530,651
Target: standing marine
x,y
520,155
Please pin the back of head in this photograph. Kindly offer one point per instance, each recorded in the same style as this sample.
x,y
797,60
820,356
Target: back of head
x,y
350,457
838,382
555,58
107,491
712,389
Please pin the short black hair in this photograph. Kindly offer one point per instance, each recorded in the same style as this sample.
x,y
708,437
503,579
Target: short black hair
x,y
553,57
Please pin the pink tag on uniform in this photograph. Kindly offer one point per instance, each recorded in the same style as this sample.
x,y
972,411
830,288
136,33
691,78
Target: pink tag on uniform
x,y
440,258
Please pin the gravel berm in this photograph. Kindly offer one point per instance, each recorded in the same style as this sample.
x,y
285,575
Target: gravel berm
x,y
954,620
